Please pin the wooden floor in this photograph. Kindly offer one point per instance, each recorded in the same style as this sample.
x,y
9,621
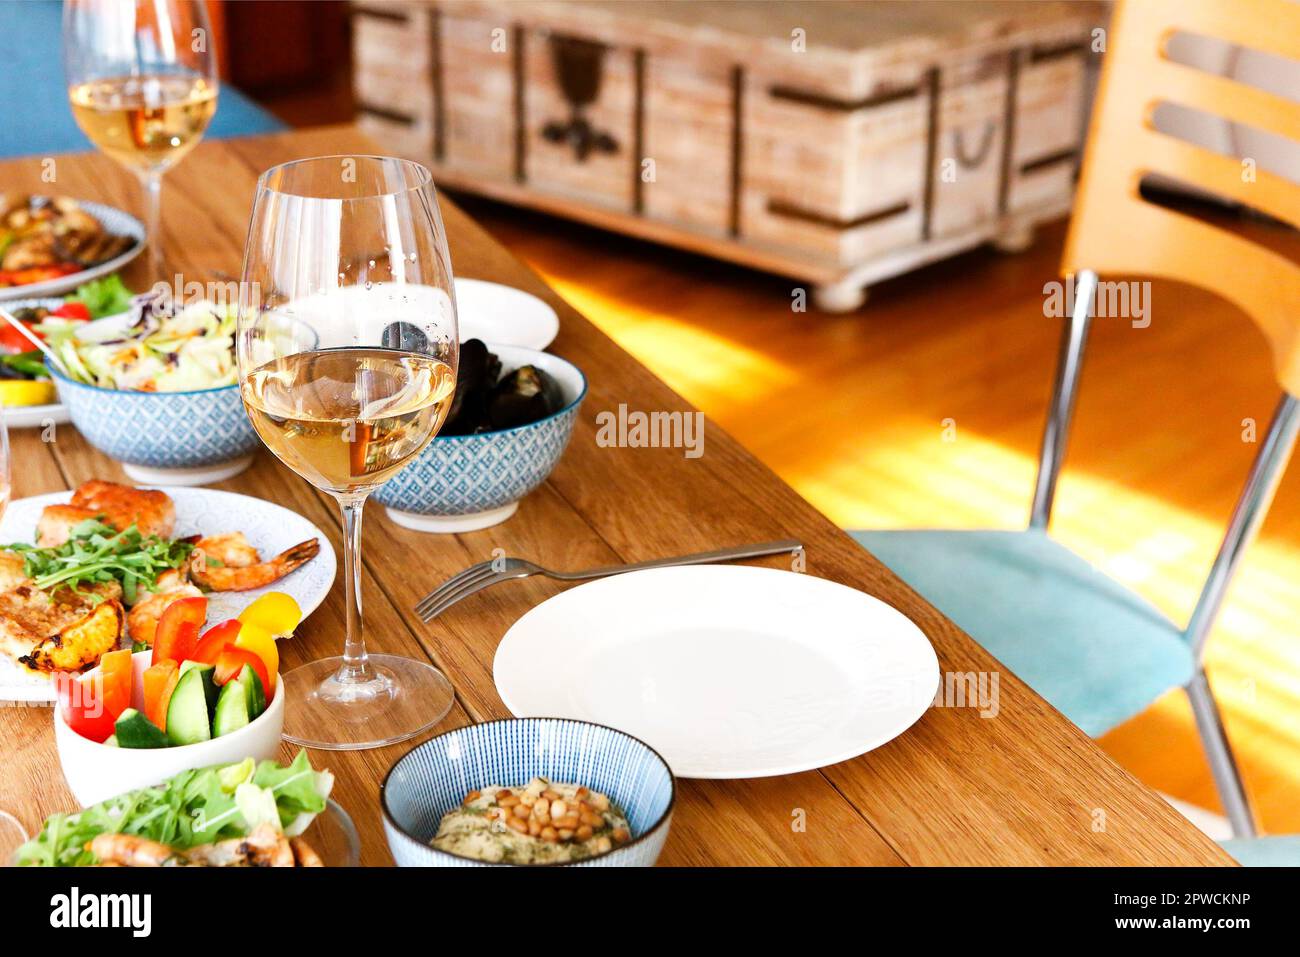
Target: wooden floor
x,y
925,409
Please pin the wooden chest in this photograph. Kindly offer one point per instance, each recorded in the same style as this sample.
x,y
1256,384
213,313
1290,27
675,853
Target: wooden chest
x,y
837,143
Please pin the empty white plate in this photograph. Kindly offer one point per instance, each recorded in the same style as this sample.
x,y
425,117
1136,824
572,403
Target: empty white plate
x,y
729,671
502,314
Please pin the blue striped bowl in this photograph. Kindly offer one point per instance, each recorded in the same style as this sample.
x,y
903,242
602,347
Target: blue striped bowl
x,y
173,438
434,777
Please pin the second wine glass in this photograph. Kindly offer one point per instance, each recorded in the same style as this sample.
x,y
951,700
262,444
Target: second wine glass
x,y
347,350
142,80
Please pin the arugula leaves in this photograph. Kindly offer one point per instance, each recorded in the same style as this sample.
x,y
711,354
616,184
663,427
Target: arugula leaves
x,y
189,809
96,553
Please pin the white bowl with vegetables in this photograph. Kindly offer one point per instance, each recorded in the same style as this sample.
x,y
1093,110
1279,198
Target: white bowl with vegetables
x,y
205,724
156,389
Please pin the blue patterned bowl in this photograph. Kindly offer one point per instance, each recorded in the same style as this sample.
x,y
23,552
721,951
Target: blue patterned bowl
x,y
435,776
164,438
461,483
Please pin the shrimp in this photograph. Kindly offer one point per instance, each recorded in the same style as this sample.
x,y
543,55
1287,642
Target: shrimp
x,y
239,566
264,847
130,850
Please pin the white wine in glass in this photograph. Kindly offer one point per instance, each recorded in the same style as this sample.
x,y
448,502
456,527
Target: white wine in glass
x,y
347,347
142,81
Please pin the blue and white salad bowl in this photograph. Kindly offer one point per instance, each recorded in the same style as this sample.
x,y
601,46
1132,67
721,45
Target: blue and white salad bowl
x,y
461,483
164,438
435,776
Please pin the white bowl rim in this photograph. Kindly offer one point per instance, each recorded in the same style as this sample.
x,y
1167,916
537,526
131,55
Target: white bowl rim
x,y
171,748
582,394
660,822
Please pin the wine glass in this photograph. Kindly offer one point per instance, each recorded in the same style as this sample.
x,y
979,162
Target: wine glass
x,y
142,80
347,347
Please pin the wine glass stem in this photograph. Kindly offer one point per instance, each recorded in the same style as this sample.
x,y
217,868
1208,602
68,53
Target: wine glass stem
x,y
151,180
356,665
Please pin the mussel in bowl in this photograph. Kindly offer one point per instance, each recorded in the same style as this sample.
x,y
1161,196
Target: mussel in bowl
x,y
487,401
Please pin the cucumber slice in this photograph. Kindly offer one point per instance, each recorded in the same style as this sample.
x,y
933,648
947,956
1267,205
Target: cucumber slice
x,y
232,708
211,689
134,730
188,720
256,693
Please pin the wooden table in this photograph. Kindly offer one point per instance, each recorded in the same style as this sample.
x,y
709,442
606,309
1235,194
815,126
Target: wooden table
x,y
1024,787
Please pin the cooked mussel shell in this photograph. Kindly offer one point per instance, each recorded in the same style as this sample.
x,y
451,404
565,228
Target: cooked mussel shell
x,y
476,376
524,396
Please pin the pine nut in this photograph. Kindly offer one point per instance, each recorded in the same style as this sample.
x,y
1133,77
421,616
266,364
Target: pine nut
x,y
621,835
510,801
503,793
565,834
550,835
517,823
534,827
472,796
521,811
569,820
599,801
559,808
583,833
551,795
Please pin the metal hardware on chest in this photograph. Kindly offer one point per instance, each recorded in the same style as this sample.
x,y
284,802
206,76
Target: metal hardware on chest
x,y
578,65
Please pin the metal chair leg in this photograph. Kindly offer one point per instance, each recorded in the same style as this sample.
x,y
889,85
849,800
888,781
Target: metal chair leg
x,y
1223,765
1057,429
1247,517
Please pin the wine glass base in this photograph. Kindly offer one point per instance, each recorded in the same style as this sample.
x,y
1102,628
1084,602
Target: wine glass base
x,y
406,698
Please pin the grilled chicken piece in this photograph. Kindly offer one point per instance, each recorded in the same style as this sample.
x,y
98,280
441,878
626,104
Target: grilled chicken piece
x,y
80,644
11,571
151,511
28,616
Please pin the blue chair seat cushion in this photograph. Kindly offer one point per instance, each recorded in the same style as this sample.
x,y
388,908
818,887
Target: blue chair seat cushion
x,y
1281,851
1099,653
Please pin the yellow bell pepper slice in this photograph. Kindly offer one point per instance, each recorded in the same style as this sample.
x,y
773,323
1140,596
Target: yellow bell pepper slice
x,y
258,641
274,612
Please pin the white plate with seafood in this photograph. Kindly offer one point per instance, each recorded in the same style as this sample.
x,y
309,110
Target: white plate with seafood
x,y
260,547
729,671
106,228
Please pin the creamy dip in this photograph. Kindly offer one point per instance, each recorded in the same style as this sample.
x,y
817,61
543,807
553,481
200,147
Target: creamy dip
x,y
544,822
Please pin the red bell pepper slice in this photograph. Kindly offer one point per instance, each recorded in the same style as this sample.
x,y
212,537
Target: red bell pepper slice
x,y
215,639
178,629
81,700
72,310
231,662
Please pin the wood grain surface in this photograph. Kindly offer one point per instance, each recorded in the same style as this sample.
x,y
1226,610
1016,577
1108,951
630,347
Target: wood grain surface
x,y
1024,787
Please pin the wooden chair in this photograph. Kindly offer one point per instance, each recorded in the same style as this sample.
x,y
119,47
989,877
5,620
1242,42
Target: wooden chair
x,y
1095,650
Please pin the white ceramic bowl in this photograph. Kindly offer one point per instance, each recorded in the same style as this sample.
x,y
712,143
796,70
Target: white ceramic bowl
x,y
96,771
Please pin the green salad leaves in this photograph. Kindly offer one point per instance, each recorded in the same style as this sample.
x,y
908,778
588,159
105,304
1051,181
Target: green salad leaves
x,y
95,553
103,297
192,808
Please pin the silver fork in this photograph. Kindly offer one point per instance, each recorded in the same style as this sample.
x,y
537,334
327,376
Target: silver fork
x,y
486,574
